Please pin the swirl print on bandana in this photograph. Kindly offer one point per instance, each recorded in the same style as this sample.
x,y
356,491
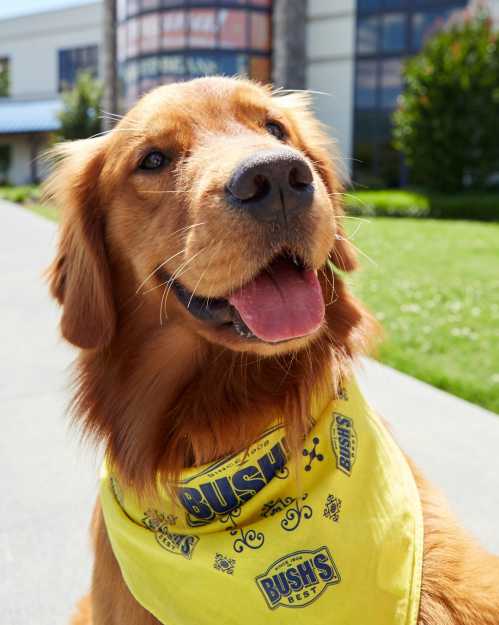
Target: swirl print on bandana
x,y
273,535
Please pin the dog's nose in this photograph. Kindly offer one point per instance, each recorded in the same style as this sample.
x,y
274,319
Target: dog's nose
x,y
272,186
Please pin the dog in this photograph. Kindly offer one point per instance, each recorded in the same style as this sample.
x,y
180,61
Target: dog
x,y
200,270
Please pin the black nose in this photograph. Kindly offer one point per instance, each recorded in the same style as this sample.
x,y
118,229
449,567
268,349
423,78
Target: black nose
x,y
271,186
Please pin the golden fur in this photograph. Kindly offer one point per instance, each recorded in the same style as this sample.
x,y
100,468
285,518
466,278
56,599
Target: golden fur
x,y
162,389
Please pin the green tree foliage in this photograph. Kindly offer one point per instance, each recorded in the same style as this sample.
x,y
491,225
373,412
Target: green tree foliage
x,y
80,117
447,120
4,77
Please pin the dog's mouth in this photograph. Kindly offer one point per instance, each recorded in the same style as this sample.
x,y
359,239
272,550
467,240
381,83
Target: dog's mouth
x,y
284,301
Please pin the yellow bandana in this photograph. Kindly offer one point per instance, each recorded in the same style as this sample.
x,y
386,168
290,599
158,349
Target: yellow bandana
x,y
243,545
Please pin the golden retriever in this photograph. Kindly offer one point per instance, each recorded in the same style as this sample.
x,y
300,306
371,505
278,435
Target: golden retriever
x,y
202,189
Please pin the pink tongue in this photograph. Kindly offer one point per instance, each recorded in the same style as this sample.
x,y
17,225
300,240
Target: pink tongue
x,y
281,303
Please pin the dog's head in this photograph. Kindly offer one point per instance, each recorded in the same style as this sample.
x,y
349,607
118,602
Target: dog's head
x,y
217,205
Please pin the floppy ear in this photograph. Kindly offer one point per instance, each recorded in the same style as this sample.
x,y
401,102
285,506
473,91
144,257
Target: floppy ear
x,y
321,150
79,277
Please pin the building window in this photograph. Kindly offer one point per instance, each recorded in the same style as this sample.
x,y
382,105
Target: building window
x,y
394,32
73,61
367,35
387,32
160,43
425,24
5,162
4,77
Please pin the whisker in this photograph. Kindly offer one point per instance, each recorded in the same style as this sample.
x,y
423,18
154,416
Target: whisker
x,y
184,229
177,274
158,268
338,236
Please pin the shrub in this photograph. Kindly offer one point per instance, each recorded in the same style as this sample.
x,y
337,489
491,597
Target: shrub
x,y
481,207
473,206
387,204
80,117
21,194
446,123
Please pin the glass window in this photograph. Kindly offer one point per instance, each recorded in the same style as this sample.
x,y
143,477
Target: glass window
x,y
202,65
149,67
368,5
365,88
150,33
425,24
260,68
121,39
394,32
132,37
389,165
174,33
394,4
74,61
202,28
391,82
121,10
132,7
173,65
260,32
150,4
367,35
5,160
364,162
233,33
4,77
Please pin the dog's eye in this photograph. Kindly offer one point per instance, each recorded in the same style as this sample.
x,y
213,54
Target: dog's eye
x,y
276,130
153,160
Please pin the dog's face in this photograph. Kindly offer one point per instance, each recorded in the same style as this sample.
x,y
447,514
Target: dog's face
x,y
215,203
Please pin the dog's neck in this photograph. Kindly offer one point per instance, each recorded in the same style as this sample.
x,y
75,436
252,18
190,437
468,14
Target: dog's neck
x,y
162,398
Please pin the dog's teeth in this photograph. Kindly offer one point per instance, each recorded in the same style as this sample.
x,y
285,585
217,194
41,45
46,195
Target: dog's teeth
x,y
295,261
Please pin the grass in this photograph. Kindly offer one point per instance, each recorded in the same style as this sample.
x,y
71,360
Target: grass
x,y
434,285
29,197
44,210
20,194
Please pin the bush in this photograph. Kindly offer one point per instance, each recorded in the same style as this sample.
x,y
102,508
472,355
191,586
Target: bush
x,y
481,207
20,195
80,117
473,206
387,204
446,124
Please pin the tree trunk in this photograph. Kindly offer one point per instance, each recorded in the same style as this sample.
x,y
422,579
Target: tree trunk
x,y
110,99
289,38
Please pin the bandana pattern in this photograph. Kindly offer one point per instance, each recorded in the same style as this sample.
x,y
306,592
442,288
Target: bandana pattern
x,y
336,533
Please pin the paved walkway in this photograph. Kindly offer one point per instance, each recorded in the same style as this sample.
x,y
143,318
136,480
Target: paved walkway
x,y
48,482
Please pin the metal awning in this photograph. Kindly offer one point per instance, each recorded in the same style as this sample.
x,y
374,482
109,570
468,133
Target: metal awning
x,y
23,116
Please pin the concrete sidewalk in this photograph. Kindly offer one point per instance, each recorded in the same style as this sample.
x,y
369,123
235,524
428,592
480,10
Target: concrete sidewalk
x,y
49,483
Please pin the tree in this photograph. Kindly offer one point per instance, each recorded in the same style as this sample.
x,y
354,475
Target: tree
x,y
446,122
80,117
110,94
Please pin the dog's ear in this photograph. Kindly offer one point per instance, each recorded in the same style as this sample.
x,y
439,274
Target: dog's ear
x,y
322,151
79,277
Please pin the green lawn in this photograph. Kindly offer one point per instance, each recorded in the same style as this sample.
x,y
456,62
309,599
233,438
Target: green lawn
x,y
434,285
29,197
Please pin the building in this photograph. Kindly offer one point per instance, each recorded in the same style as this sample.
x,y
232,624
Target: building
x,y
163,42
349,52
40,56
355,54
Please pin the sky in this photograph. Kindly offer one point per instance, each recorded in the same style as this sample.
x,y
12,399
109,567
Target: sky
x,y
23,7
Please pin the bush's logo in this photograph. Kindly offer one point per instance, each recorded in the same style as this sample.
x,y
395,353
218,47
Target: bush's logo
x,y
344,442
179,544
216,497
296,580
